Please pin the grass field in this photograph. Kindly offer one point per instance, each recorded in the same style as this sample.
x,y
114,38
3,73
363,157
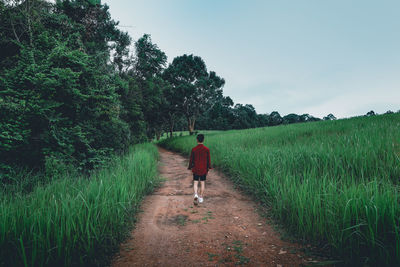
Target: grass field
x,y
334,183
76,220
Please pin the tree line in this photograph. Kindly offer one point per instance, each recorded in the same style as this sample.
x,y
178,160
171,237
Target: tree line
x,y
75,89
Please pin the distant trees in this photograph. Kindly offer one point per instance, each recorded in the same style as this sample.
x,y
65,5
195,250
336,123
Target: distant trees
x,y
225,117
263,120
370,113
308,118
245,117
275,119
294,118
291,118
329,117
219,117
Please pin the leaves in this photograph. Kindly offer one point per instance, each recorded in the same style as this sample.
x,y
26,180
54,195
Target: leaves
x,y
194,89
58,98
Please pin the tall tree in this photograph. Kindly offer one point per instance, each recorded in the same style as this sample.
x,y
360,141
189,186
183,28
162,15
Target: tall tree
x,y
150,60
170,111
149,64
195,90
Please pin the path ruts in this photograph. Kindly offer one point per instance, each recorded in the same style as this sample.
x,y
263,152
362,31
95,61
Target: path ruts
x,y
225,230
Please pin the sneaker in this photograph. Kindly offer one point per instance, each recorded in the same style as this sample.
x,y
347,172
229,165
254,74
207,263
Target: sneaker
x,y
196,199
200,200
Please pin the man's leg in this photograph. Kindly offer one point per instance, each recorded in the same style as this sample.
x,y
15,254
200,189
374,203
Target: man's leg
x,y
202,187
196,197
195,184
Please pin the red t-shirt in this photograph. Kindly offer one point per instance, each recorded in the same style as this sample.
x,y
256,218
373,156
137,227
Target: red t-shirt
x,y
200,161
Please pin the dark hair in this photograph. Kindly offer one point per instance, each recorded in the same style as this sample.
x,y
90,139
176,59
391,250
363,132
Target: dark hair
x,y
200,138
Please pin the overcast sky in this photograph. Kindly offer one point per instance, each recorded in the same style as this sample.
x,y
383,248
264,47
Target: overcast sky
x,y
304,56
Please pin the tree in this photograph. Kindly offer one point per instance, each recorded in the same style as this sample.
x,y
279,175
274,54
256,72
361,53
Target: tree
x,y
194,89
97,31
275,119
370,113
308,118
329,117
149,64
155,106
219,117
263,120
171,112
245,117
291,118
150,60
131,112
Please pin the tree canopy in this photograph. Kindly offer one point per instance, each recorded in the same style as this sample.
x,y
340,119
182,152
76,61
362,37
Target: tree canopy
x,y
194,89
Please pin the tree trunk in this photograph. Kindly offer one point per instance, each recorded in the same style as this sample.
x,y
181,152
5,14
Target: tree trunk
x,y
171,127
191,122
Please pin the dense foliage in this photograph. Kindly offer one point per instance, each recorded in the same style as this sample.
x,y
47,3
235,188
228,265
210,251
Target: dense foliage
x,y
335,183
60,98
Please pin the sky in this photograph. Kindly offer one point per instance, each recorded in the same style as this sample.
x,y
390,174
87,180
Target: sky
x,y
300,56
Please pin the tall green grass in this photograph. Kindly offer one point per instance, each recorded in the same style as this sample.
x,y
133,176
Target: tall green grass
x,y
332,182
76,221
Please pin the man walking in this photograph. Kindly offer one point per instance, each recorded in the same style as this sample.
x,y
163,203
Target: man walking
x,y
200,163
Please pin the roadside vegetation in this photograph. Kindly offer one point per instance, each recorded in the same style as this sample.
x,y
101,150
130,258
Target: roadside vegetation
x,y
76,220
333,183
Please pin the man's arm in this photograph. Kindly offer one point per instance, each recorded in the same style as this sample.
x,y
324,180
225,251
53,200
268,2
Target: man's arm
x,y
191,161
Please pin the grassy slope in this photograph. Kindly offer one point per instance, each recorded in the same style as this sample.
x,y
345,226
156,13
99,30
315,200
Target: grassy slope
x,y
335,182
76,221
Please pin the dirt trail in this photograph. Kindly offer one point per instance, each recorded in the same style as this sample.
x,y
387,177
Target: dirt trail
x,y
225,230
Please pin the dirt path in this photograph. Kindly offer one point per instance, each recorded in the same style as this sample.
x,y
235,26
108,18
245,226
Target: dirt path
x,y
225,230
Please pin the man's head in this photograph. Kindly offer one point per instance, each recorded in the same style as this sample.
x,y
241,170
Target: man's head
x,y
200,138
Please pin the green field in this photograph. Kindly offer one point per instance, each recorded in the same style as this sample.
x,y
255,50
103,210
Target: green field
x,y
76,220
333,183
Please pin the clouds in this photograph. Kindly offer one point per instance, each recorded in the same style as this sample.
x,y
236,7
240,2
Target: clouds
x,y
301,57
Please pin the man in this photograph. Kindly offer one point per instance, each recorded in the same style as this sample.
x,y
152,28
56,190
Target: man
x,y
200,163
